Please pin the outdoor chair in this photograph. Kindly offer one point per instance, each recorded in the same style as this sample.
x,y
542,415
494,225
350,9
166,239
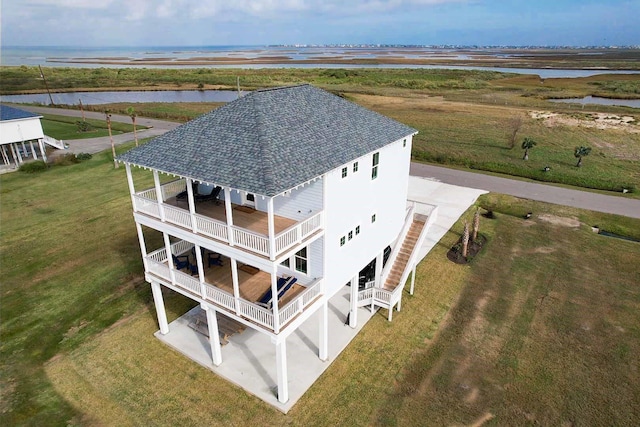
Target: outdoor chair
x,y
214,259
283,285
181,261
207,192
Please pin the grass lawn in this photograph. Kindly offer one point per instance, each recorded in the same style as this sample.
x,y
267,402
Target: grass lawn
x,y
538,321
65,128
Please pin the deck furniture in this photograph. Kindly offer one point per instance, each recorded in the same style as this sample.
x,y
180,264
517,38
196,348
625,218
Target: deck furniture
x,y
283,285
206,192
214,258
181,261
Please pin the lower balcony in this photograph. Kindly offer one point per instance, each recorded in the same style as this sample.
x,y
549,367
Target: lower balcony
x,y
217,288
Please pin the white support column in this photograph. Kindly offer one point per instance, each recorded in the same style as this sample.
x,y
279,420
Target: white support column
x,y
143,246
353,313
192,205
228,210
42,150
274,299
33,151
15,145
14,155
200,264
172,268
413,279
379,261
5,157
236,284
323,342
156,290
272,230
214,337
132,189
24,150
156,181
281,367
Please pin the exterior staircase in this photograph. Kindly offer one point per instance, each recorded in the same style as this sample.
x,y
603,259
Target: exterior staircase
x,y
407,248
57,143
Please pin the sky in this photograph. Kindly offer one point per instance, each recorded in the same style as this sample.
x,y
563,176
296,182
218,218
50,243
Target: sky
x,y
95,23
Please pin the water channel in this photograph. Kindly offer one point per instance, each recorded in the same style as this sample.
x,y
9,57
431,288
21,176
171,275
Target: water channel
x,y
633,103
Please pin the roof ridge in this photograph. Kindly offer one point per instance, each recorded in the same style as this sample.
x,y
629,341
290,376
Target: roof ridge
x,y
267,89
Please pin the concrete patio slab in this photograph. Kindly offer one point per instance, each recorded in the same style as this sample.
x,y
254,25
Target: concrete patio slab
x,y
249,360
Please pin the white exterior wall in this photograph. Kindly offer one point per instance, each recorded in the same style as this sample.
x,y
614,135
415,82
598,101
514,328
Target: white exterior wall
x,y
301,203
352,200
20,130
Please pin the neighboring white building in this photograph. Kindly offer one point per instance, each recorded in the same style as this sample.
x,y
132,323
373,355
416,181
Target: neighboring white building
x,y
20,134
282,183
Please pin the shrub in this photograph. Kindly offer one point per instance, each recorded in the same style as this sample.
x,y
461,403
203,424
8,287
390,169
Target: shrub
x,y
66,160
32,167
83,156
84,126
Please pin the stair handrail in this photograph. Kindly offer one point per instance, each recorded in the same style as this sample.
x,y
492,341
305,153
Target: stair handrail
x,y
408,220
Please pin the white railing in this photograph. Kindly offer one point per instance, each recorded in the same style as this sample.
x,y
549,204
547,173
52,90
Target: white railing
x,y
297,232
396,248
256,313
187,282
173,188
160,269
177,216
212,228
296,306
144,205
149,194
220,297
254,242
57,143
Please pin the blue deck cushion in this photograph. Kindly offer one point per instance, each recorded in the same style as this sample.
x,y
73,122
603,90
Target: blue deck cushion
x,y
244,144
283,285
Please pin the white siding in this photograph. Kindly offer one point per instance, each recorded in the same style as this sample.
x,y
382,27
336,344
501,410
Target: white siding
x,y
352,200
20,130
315,253
301,203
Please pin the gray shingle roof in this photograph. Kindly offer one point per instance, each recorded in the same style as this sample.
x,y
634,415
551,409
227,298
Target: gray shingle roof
x,y
270,140
10,113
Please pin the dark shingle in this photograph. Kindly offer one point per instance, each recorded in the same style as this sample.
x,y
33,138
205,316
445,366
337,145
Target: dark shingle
x,y
270,140
10,113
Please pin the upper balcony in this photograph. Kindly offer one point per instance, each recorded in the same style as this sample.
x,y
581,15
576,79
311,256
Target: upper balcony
x,y
226,222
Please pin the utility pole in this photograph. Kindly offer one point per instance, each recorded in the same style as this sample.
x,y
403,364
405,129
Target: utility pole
x,y
46,85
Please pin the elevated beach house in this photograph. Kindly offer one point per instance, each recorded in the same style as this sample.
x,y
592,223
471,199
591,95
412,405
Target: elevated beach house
x,y
266,207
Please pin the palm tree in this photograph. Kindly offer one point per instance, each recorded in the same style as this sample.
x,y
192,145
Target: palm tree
x,y
465,239
528,144
132,113
580,152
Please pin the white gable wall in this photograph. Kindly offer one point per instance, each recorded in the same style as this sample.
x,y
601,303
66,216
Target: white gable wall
x,y
20,130
301,203
351,201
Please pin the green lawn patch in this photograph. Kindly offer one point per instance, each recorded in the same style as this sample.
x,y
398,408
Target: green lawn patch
x,y
65,128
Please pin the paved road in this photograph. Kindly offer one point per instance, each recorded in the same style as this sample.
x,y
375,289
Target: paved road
x,y
531,190
95,145
524,189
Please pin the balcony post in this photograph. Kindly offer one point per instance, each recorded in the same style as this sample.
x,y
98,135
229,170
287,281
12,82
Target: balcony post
x,y
236,285
272,230
143,246
132,189
274,299
379,261
156,181
192,205
200,264
413,279
42,149
172,269
228,210
214,336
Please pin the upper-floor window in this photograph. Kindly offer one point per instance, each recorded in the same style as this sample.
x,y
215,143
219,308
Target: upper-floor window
x,y
374,167
301,260
344,172
357,230
404,142
355,167
373,218
343,240
350,235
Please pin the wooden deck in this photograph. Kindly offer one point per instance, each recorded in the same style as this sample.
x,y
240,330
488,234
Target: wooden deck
x,y
243,217
251,286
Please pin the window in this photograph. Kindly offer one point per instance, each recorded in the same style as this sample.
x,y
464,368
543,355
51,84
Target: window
x,y
344,172
301,260
374,167
357,230
285,263
350,235
343,241
355,167
404,143
373,218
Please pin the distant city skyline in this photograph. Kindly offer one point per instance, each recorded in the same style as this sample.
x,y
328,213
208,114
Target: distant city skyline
x,y
314,22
